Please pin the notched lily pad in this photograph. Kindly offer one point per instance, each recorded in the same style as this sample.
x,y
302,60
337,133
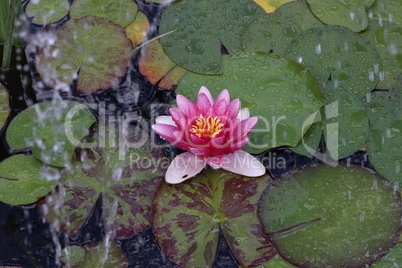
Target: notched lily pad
x,y
280,92
351,14
121,168
324,216
197,29
188,216
51,129
47,11
121,12
336,53
93,50
386,37
269,33
24,179
385,137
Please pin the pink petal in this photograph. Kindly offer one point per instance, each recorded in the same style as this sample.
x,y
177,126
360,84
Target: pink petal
x,y
179,118
243,114
172,134
204,104
207,94
247,125
183,167
243,163
214,161
224,95
187,107
219,107
201,152
233,108
165,119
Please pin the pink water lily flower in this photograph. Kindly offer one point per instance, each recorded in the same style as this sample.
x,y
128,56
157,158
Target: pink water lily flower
x,y
213,132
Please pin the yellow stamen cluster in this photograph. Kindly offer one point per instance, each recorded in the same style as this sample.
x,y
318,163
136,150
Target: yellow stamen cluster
x,y
210,126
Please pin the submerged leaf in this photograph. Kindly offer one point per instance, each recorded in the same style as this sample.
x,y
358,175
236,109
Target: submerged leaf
x,y
324,216
281,93
188,216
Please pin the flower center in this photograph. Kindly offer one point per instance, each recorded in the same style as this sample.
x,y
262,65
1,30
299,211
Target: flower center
x,y
210,126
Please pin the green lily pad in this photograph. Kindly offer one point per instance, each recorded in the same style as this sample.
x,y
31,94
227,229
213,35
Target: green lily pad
x,y
324,216
276,262
108,255
392,259
386,37
351,14
123,170
197,28
346,125
24,180
368,3
93,50
336,53
121,12
270,32
47,11
280,92
4,105
385,136
72,255
52,129
386,10
188,216
300,14
310,141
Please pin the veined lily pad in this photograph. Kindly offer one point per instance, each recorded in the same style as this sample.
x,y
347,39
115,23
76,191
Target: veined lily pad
x,y
271,5
4,105
138,29
97,255
45,11
91,49
346,125
351,14
280,92
386,10
121,12
385,136
188,216
386,37
336,53
197,29
270,32
52,129
24,180
123,170
331,216
300,14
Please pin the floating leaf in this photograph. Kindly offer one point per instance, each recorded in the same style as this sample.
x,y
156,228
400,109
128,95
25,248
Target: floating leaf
x,y
276,262
4,105
368,3
72,255
199,29
385,136
103,254
386,37
121,12
280,92
52,129
300,14
310,141
326,216
392,259
172,78
351,14
271,5
47,11
386,10
188,216
346,125
91,49
138,29
24,180
336,53
269,33
124,171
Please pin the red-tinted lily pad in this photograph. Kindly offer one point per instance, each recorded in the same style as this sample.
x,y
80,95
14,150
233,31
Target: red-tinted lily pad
x,y
188,216
93,50
126,178
121,12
